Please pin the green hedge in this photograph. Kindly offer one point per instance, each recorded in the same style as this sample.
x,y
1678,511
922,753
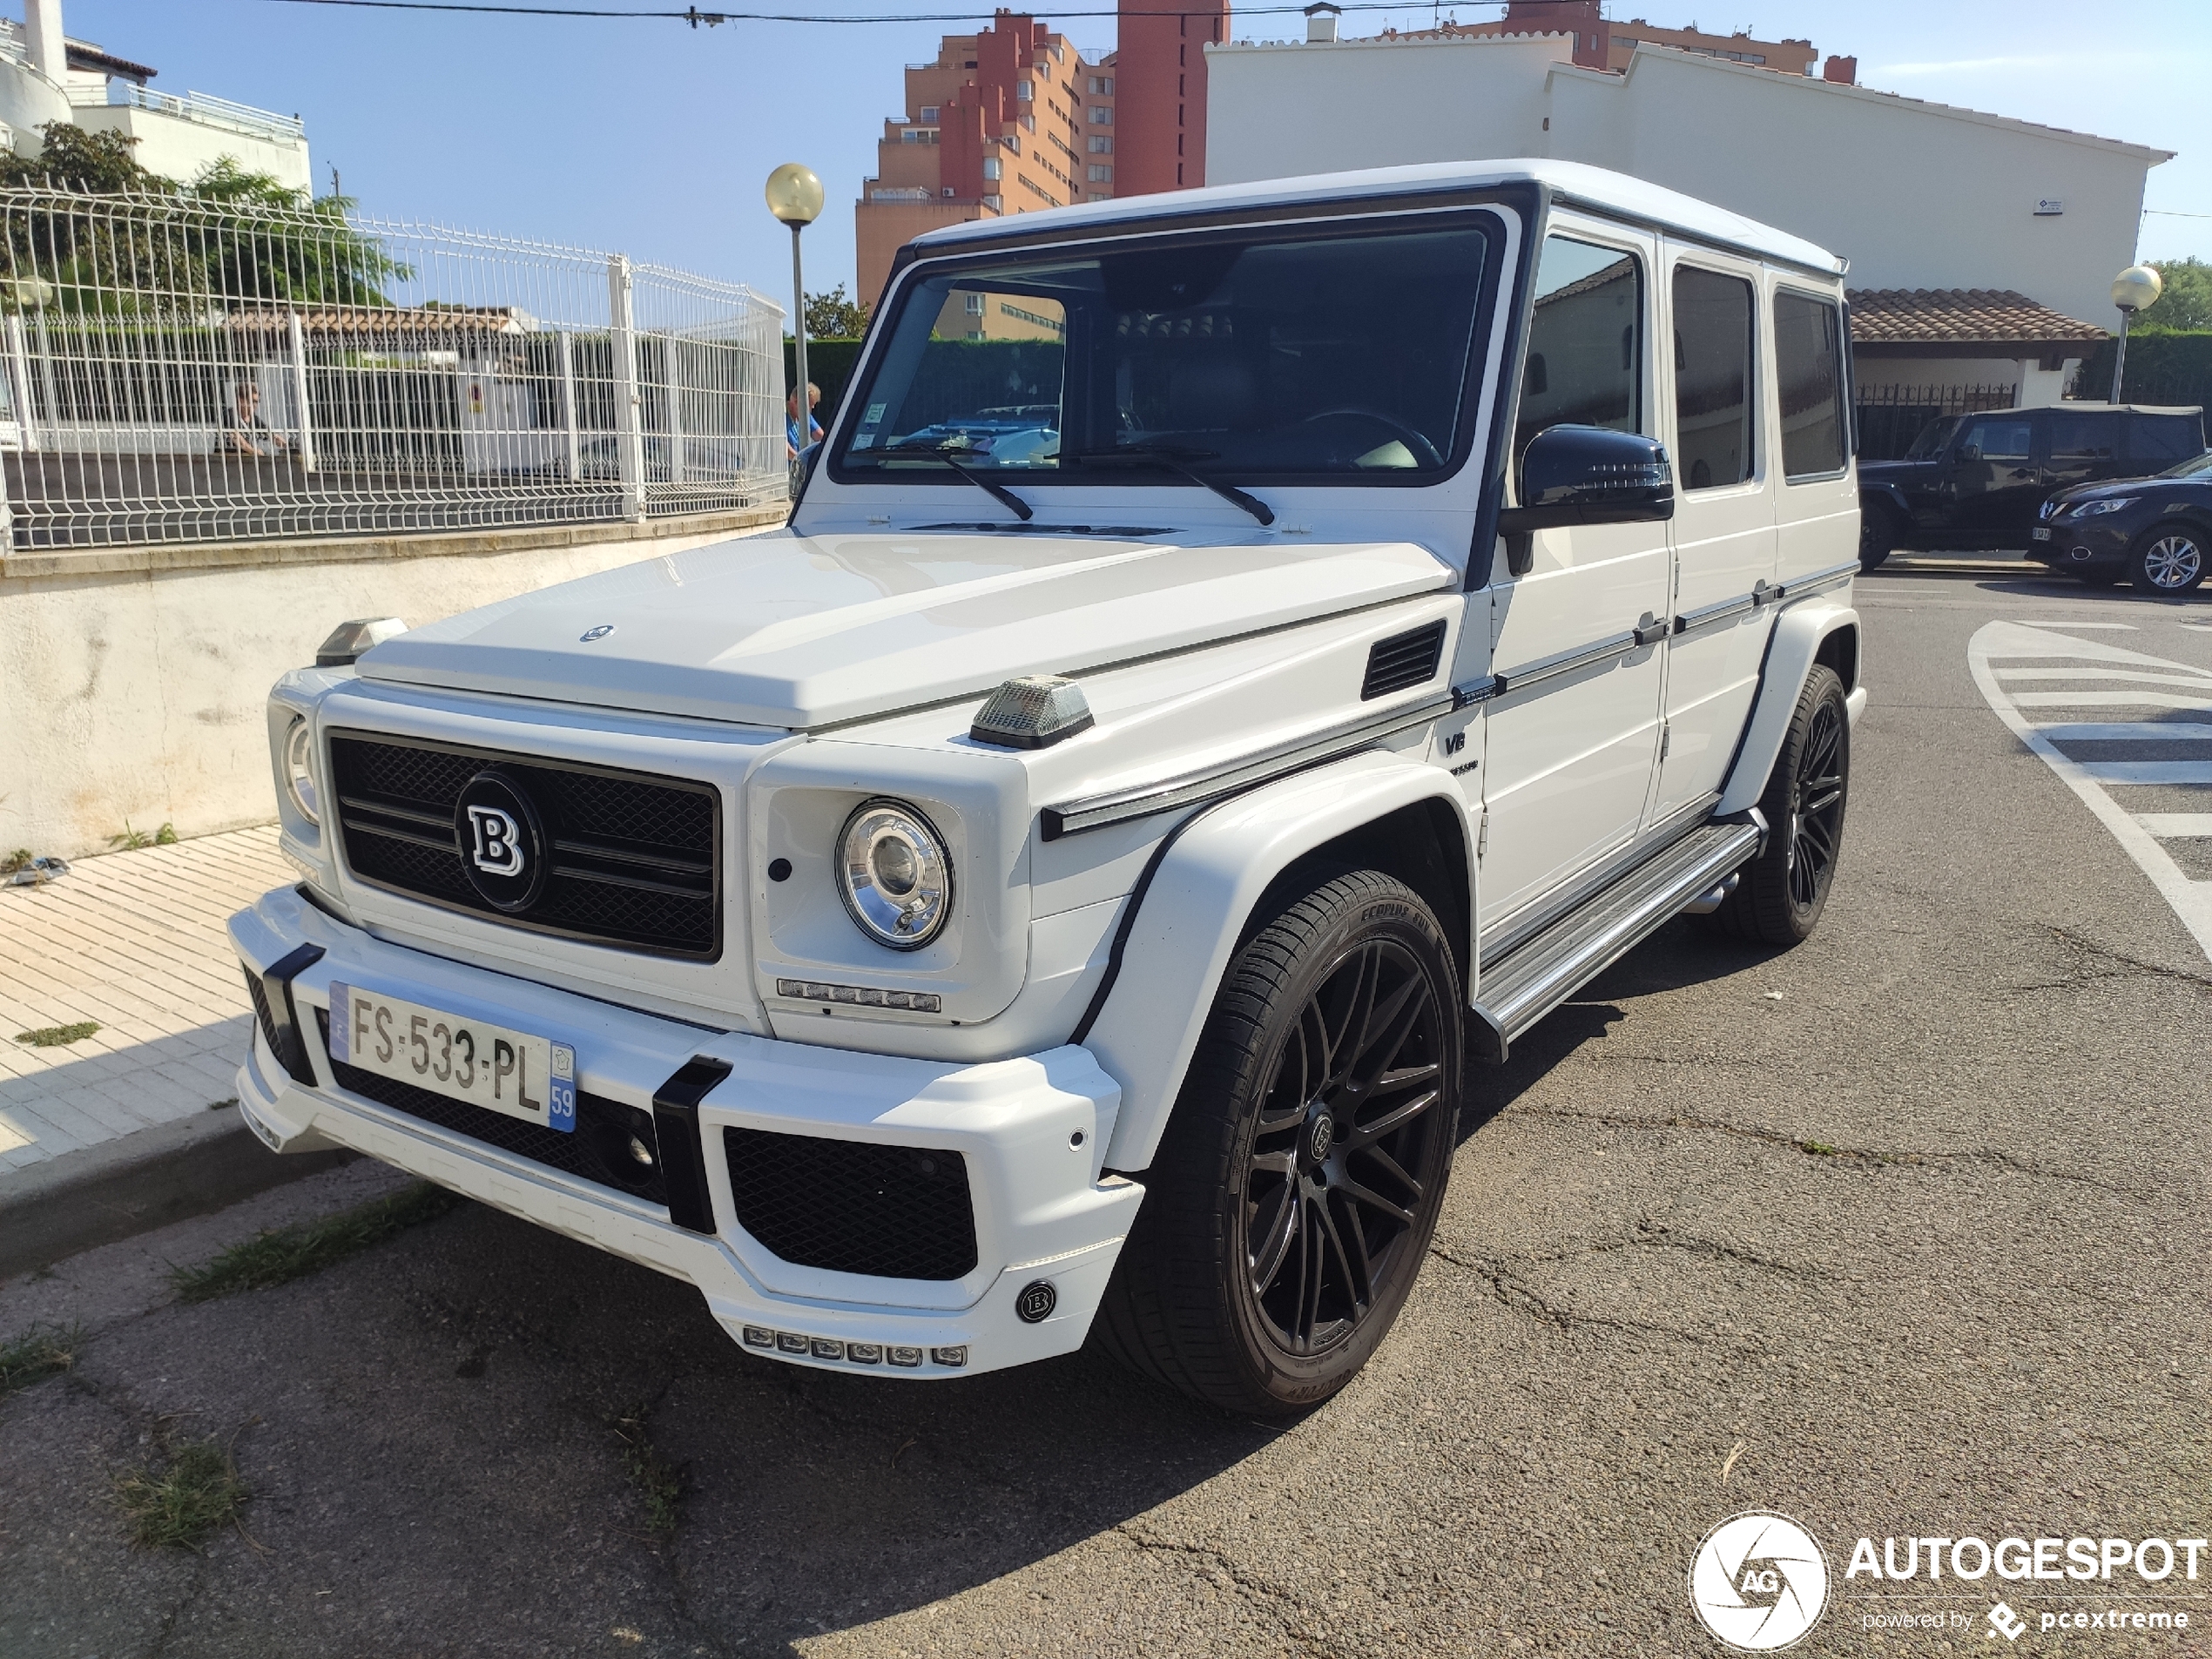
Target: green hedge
x,y
829,365
2162,367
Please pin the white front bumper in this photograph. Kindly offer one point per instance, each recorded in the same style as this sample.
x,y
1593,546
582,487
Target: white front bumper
x,y
1032,1131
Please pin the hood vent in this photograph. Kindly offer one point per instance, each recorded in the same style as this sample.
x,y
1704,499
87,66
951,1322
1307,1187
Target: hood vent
x,y
1403,660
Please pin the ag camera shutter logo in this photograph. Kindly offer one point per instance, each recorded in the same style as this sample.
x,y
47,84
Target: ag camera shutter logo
x,y
1759,1582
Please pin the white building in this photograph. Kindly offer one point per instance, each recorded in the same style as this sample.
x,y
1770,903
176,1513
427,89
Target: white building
x,y
46,77
1917,196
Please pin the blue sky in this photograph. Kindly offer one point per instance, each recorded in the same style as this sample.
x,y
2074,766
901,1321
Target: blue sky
x,y
655,138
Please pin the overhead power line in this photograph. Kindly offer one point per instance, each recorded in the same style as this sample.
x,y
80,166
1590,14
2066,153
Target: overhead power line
x,y
694,17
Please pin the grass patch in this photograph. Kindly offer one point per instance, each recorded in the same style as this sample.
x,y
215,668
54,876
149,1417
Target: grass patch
x,y
40,1352
282,1254
198,1491
58,1037
659,1482
1818,1149
16,860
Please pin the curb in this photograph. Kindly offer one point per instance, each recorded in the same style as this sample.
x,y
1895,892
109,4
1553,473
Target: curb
x,y
2028,570
136,1183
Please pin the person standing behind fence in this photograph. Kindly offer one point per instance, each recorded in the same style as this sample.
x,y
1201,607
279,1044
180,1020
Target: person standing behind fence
x,y
245,432
791,445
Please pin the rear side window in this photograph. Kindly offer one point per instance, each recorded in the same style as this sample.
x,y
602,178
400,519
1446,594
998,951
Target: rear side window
x,y
1712,379
2082,438
1585,342
1809,367
2165,439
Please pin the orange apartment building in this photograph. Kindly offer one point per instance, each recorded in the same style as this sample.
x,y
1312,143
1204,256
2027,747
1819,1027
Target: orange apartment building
x,y
1603,44
1007,120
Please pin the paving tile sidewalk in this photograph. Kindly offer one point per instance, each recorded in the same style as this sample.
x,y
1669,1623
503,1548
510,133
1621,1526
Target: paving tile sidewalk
x,y
135,941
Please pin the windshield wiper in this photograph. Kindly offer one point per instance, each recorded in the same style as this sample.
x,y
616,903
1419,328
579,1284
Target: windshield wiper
x,y
1000,493
1172,460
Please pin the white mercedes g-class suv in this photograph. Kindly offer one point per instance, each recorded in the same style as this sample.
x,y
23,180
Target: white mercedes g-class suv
x,y
1235,653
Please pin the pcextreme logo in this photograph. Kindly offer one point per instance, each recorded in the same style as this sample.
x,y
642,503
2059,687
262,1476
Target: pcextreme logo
x,y
1758,1583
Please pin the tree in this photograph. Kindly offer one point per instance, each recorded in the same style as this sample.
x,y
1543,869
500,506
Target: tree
x,y
2187,303
270,242
832,316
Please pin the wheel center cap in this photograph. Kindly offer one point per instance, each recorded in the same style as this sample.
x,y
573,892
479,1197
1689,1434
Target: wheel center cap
x,y
1321,1138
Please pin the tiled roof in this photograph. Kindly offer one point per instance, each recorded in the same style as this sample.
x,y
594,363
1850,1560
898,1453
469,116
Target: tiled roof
x,y
1914,316
433,320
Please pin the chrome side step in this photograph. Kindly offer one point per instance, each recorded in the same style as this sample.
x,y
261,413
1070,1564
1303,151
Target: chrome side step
x,y
1532,979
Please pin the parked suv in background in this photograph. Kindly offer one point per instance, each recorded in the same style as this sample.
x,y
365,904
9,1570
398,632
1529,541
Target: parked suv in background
x,y
1979,480
2156,532
1051,888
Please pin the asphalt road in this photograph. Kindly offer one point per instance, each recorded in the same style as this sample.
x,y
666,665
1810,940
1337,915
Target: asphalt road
x,y
1902,1232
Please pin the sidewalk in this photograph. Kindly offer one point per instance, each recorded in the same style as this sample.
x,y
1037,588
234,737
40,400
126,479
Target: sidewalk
x,y
134,941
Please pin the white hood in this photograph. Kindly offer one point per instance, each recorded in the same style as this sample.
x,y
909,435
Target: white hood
x,y
811,632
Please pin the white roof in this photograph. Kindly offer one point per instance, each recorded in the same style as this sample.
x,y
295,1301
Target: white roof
x,y
1571,181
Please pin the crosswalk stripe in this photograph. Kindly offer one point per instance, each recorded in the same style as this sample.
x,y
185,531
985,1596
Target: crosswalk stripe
x,y
2130,731
2176,825
2110,700
2147,771
2103,674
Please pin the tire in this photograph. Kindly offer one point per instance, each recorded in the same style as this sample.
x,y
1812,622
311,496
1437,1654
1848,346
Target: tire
x,y
1782,892
2168,559
1876,537
1258,1277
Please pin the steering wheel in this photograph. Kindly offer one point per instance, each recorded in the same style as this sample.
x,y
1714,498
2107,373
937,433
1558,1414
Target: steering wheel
x,y
1423,450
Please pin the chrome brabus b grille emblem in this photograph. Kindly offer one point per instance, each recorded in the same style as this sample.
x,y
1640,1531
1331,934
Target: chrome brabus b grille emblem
x,y
497,841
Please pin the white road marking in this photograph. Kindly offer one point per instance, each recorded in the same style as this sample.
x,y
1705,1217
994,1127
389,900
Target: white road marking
x,y
2125,627
2015,642
2110,700
2176,825
2148,772
2010,674
2130,731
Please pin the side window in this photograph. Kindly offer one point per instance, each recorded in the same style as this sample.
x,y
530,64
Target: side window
x,y
2008,438
1712,379
1808,367
2082,439
2164,438
1585,342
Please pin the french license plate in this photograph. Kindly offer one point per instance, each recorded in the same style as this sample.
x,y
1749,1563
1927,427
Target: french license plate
x,y
2041,532
512,1072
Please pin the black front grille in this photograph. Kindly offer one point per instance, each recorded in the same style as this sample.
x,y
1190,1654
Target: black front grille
x,y
1403,660
599,1149
634,859
852,1206
263,1013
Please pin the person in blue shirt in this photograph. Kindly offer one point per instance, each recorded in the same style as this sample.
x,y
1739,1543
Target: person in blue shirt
x,y
791,445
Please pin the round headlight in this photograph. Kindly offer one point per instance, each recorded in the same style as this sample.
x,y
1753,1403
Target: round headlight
x,y
299,770
894,873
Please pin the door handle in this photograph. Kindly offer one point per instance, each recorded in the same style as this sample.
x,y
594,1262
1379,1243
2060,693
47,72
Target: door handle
x,y
1652,630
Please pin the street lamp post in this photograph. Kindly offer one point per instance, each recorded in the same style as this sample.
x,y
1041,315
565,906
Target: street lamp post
x,y
795,197
2132,290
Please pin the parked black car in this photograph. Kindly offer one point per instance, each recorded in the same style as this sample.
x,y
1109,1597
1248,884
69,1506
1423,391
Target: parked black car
x,y
2156,532
1979,480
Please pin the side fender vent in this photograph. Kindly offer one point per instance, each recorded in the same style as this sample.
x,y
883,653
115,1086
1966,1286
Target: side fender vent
x,y
1403,660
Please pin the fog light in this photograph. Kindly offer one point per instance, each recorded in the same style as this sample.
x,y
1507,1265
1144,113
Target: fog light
x,y
906,1357
640,1151
759,1336
824,1348
864,1353
790,1342
1032,713
954,1358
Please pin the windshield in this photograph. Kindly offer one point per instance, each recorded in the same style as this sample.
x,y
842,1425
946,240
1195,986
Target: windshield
x,y
2195,467
1934,438
1339,357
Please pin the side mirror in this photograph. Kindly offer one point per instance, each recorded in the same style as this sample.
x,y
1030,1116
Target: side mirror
x,y
802,469
1590,474
1968,453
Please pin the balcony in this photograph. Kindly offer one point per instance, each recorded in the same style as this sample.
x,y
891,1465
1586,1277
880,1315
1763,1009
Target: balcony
x,y
199,107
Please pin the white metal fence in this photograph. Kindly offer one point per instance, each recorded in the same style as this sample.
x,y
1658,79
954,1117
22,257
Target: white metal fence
x,y
179,370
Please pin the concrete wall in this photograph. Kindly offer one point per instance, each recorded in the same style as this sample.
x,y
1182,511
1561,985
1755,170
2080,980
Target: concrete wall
x,y
132,680
180,148
1916,195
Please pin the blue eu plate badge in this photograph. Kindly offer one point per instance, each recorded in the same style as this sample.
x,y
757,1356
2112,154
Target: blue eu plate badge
x,y
560,1101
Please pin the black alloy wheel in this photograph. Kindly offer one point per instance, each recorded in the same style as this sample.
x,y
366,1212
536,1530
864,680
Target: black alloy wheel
x,y
1876,537
1329,1194
1782,892
1290,1203
2168,559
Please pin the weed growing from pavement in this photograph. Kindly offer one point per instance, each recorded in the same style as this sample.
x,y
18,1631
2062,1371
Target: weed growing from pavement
x,y
131,839
16,860
39,1353
219,1105
58,1037
659,1482
198,1491
285,1253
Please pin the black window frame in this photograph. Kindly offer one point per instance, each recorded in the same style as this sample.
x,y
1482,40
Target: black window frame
x,y
1646,405
1754,382
1493,219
